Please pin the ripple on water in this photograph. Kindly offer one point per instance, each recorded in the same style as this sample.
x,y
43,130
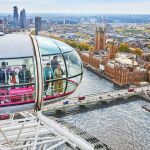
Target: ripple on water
x,y
122,127
92,83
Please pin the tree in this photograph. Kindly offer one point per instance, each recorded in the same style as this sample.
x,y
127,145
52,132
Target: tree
x,y
91,48
84,46
72,43
138,52
124,47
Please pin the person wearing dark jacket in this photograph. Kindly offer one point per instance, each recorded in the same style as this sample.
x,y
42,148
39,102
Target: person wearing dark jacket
x,y
24,75
4,74
54,63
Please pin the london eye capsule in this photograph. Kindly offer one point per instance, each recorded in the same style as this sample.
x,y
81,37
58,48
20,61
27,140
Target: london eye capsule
x,y
36,70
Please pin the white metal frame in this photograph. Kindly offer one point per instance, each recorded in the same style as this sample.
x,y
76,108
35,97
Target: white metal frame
x,y
38,74
38,133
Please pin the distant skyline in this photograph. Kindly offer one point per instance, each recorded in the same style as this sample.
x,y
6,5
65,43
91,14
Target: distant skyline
x,y
78,6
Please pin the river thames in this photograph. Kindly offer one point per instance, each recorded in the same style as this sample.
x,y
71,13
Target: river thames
x,y
122,126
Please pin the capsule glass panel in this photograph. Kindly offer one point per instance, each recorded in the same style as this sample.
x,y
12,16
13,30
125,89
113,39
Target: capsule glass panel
x,y
73,84
54,76
47,46
17,83
63,46
73,62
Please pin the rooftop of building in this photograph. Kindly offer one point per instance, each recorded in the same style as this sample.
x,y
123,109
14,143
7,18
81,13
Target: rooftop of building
x,y
126,61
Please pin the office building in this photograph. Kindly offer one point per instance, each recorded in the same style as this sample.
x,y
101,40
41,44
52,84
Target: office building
x,y
37,25
15,17
23,19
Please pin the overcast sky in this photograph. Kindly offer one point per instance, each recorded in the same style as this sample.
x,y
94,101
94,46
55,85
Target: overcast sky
x,y
78,6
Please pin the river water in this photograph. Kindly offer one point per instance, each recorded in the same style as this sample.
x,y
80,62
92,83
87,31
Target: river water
x,y
123,126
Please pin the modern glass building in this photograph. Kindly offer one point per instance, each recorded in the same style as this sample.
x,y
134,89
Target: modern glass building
x,y
36,69
37,25
15,17
23,19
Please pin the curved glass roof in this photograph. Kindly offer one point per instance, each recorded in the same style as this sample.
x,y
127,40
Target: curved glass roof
x,y
20,46
63,46
15,45
51,46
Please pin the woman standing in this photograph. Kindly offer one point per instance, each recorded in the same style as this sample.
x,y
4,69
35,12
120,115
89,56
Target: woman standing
x,y
58,86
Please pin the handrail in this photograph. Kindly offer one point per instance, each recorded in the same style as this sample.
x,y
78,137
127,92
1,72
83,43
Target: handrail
x,y
17,85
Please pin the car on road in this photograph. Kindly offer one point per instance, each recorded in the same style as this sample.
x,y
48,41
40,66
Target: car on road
x,y
130,90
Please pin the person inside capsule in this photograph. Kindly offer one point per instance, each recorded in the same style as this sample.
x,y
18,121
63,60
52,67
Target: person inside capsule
x,y
4,74
25,89
24,75
13,80
48,74
58,85
54,63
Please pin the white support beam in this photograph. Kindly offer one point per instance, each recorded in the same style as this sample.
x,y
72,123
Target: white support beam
x,y
82,144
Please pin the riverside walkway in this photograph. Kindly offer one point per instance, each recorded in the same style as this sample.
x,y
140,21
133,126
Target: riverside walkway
x,y
105,97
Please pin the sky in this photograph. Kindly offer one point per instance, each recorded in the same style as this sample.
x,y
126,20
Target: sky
x,y
78,6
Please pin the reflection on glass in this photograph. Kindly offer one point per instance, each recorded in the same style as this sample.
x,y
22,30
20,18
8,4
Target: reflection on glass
x,y
57,76
47,46
73,83
73,64
63,46
51,74
16,81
